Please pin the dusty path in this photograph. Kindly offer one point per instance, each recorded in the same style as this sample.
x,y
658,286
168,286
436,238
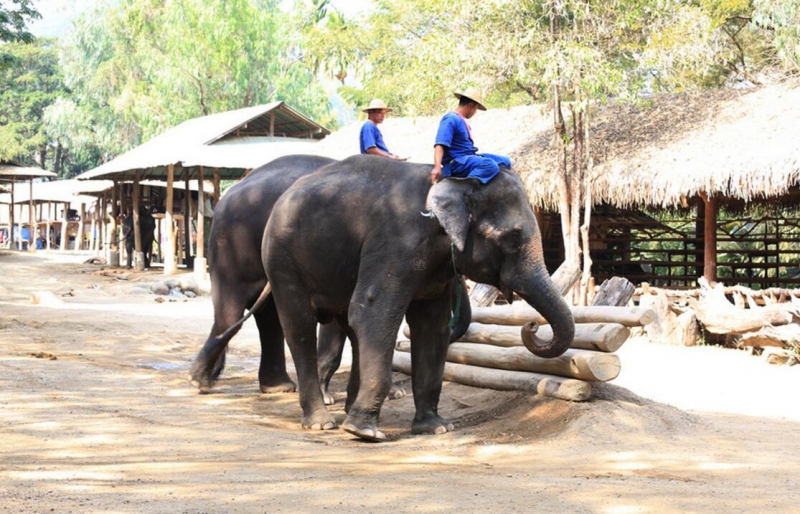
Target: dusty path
x,y
112,425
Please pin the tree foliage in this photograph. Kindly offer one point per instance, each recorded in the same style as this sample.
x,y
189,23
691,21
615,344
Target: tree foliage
x,y
13,26
26,89
139,67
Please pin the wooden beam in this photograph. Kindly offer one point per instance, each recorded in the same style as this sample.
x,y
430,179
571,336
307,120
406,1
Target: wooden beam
x,y
81,228
64,235
201,212
187,218
138,257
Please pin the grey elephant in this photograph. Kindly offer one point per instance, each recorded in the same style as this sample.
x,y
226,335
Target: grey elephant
x,y
237,278
147,226
369,241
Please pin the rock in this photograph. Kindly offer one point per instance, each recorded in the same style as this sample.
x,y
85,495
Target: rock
x,y
140,289
159,288
190,294
45,298
190,284
172,283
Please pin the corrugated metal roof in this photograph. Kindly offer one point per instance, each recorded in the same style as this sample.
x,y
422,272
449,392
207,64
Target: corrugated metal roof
x,y
62,191
13,172
204,141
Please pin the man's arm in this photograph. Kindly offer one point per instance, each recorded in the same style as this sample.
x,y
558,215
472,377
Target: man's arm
x,y
438,155
374,150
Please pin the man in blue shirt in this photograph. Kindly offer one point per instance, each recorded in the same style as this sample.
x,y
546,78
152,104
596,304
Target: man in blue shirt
x,y
371,138
455,154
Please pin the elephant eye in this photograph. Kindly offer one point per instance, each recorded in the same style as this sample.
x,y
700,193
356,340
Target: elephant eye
x,y
511,240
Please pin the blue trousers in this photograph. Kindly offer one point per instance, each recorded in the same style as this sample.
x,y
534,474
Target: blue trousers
x,y
483,167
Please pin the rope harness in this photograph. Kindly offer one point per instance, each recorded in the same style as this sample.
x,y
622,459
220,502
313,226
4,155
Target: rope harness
x,y
456,314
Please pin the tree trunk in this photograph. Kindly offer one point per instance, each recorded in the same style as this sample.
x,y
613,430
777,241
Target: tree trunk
x,y
616,291
719,316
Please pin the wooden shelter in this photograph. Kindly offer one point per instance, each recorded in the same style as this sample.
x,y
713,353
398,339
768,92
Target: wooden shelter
x,y
59,210
664,170
11,172
231,143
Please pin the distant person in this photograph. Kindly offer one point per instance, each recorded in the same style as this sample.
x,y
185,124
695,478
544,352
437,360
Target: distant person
x,y
371,138
454,152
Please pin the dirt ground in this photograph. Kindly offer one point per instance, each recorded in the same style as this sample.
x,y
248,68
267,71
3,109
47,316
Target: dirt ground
x,y
97,415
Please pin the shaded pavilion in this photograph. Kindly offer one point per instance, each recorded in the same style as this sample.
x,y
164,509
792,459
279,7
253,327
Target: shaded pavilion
x,y
231,143
65,194
11,173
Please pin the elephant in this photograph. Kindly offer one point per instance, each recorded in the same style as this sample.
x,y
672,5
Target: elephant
x,y
369,241
237,278
147,225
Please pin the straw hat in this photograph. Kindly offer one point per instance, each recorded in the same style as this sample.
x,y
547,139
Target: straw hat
x,y
376,104
472,94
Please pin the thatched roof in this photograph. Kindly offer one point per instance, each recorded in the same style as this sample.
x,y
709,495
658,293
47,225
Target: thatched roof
x,y
741,144
232,141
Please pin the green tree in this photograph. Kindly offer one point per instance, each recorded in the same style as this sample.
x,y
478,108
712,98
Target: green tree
x,y
139,67
26,89
13,26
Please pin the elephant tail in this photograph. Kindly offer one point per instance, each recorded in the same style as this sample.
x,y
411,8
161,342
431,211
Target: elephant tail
x,y
224,337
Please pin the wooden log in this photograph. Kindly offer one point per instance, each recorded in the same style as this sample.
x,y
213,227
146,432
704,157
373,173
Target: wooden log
x,y
601,337
504,380
580,364
720,316
785,336
616,291
483,295
510,315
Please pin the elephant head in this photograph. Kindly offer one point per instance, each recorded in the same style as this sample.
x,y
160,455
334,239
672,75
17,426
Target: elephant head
x,y
497,242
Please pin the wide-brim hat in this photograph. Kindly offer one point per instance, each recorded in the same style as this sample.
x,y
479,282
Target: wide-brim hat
x,y
472,94
376,104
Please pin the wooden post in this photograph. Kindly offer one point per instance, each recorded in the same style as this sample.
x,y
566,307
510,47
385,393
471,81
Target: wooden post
x,y
81,228
216,187
170,267
138,255
11,216
200,259
64,235
187,218
114,215
31,226
710,239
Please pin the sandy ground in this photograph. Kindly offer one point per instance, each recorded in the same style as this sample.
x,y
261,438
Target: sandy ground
x,y
96,415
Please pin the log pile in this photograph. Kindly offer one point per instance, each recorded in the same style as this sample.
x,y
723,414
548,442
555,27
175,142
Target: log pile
x,y
744,317
491,353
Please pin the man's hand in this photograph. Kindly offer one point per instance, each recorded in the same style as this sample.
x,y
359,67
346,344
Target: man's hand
x,y
436,174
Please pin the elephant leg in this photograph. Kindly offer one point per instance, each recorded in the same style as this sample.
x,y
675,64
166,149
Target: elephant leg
x,y
330,349
300,328
207,366
427,320
272,376
129,253
375,339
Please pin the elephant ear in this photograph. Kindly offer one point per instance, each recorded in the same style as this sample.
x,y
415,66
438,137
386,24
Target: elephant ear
x,y
448,202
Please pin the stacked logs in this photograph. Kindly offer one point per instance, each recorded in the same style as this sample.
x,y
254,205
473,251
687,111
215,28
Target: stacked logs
x,y
491,353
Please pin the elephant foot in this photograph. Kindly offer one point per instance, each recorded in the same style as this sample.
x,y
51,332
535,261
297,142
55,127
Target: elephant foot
x,y
278,382
286,387
395,392
321,421
327,397
367,432
431,424
201,378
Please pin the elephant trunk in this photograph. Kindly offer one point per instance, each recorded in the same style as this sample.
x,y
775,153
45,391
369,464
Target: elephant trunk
x,y
541,294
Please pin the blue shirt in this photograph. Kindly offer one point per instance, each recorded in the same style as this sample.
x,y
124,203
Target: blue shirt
x,y
454,135
371,137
